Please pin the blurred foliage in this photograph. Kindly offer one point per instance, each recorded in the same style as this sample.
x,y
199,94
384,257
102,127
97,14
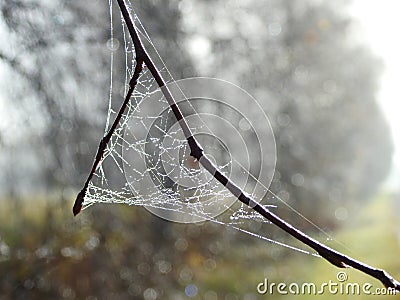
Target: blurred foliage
x,y
50,46
296,57
120,252
113,252
318,87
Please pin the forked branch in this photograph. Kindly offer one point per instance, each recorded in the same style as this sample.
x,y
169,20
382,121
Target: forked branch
x,y
104,141
334,257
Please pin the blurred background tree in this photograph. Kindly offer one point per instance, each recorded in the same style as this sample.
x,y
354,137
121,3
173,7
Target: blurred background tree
x,y
317,86
297,58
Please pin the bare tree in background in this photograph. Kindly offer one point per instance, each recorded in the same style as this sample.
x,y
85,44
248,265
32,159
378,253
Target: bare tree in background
x,y
59,52
319,88
53,45
299,64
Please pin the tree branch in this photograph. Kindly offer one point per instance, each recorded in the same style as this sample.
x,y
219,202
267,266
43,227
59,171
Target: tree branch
x,y
334,257
104,141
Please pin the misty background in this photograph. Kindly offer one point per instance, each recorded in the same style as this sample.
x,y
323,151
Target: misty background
x,y
301,60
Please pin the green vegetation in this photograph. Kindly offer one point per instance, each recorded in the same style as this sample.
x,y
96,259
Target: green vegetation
x,y
373,237
119,251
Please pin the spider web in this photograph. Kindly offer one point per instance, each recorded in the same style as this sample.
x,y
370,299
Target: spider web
x,y
147,161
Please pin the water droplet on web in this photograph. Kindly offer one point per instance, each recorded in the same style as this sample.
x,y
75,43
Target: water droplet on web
x,y
113,44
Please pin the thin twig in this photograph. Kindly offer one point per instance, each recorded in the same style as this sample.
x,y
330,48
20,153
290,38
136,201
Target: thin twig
x,y
104,141
334,257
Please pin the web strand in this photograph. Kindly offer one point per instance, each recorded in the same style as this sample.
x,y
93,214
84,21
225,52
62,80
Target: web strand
x,y
167,192
147,37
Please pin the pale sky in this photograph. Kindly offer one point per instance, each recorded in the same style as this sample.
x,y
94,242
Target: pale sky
x,y
380,24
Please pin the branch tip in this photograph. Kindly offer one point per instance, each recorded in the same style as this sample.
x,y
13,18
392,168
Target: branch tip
x,y
144,61
78,202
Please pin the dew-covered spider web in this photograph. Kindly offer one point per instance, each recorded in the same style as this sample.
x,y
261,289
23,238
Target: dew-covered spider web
x,y
147,162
